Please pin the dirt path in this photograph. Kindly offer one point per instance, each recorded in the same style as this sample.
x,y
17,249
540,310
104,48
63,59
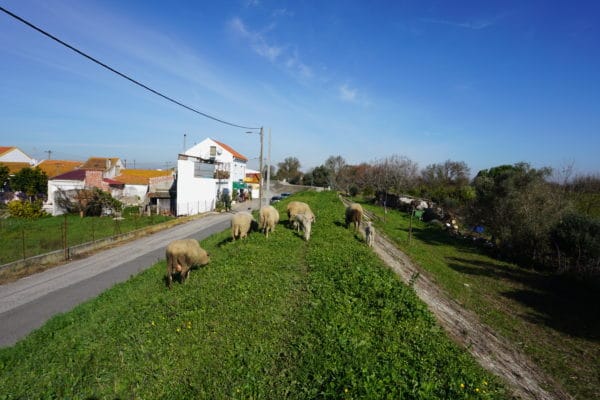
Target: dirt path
x,y
492,351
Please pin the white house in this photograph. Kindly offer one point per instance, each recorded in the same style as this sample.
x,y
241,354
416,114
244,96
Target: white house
x,y
14,154
66,183
203,172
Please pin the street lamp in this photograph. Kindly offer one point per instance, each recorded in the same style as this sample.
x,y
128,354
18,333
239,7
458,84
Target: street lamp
x,y
260,167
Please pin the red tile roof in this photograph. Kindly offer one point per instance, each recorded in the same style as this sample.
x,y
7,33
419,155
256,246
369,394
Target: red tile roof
x,y
231,150
6,149
14,167
141,176
112,181
56,167
99,163
75,175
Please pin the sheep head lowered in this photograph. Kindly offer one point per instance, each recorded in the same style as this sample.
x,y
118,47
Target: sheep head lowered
x,y
354,214
241,224
304,223
182,255
269,217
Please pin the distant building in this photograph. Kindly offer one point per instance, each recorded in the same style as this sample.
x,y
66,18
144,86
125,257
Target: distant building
x,y
204,172
54,168
15,159
110,167
96,172
68,184
14,154
147,188
252,181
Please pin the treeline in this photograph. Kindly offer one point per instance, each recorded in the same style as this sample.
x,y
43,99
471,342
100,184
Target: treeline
x,y
529,215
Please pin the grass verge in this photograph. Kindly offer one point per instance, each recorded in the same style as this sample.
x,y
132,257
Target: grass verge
x,y
553,319
22,238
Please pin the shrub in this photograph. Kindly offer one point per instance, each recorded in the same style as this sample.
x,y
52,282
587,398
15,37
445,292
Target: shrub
x,y
26,209
577,241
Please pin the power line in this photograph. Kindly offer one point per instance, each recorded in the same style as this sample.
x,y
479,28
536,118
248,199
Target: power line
x,y
120,73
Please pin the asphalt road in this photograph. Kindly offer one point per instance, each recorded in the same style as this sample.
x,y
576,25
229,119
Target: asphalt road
x,y
28,303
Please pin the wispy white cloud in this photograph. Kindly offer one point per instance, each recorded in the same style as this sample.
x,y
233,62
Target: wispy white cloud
x,y
473,25
347,93
256,39
286,56
293,63
252,3
282,12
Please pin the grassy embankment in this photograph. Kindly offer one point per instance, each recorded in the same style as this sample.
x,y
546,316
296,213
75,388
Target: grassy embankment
x,y
276,318
554,319
22,238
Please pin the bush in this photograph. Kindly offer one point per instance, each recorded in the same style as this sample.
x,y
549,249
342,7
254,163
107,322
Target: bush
x,y
577,241
26,209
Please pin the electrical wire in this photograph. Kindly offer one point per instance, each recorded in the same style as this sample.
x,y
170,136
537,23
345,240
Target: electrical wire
x,y
120,73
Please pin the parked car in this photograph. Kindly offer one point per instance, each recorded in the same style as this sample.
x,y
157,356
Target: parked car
x,y
275,199
284,195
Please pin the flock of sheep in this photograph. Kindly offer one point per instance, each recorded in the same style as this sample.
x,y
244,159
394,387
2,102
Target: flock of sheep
x,y
184,254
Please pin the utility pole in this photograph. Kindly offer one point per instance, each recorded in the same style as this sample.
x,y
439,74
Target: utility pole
x,y
49,154
269,168
260,183
260,167
184,145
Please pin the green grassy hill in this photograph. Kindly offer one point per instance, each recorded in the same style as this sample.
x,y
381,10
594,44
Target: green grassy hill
x,y
269,319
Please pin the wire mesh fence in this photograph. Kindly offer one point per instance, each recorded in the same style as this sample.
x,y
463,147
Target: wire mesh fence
x,y
24,238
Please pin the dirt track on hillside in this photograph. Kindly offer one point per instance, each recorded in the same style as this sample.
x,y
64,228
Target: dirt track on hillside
x,y
493,352
496,354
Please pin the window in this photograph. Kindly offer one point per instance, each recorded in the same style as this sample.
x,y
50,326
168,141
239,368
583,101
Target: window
x,y
203,170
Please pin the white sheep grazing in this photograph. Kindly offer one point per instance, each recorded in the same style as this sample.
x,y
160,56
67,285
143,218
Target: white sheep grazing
x,y
298,207
369,234
304,223
268,219
181,256
241,224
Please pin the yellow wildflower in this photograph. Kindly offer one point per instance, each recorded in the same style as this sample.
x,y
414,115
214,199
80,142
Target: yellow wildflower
x,y
462,385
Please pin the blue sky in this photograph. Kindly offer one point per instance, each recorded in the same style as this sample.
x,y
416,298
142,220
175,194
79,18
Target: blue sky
x,y
487,83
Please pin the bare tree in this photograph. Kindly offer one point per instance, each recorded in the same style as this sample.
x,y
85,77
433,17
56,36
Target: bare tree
x,y
402,173
335,166
395,174
450,173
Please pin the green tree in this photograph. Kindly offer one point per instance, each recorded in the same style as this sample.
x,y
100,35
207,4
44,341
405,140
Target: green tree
x,y
447,184
100,200
317,177
585,191
576,240
289,170
4,176
31,181
519,208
